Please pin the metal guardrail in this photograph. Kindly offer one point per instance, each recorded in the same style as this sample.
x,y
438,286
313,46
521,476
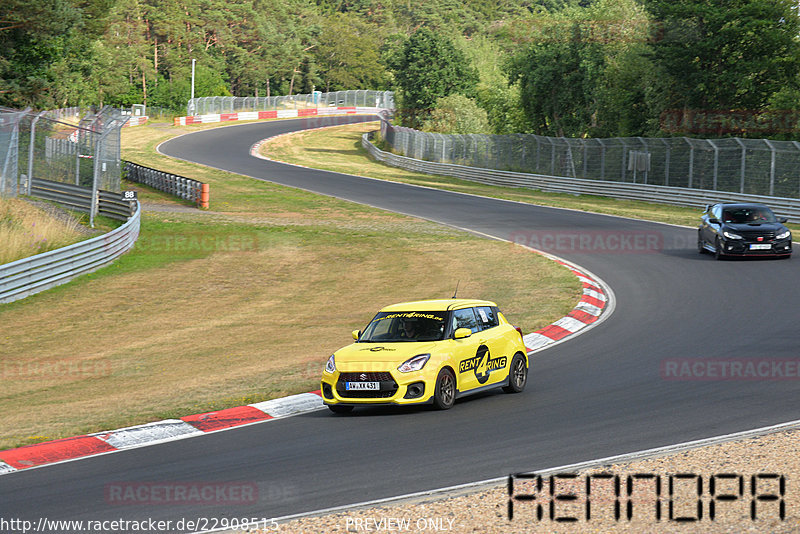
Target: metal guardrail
x,y
79,198
680,196
745,166
232,104
175,185
28,276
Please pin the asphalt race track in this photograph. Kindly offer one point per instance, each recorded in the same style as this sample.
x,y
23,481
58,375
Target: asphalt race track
x,y
597,395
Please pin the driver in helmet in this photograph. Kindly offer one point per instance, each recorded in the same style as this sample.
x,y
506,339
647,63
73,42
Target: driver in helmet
x,y
409,328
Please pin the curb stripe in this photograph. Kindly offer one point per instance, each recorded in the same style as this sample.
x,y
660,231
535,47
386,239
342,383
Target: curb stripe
x,y
589,308
5,468
593,301
55,451
230,417
582,316
554,332
135,436
292,405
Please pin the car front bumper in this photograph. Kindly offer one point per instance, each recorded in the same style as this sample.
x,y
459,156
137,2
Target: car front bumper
x,y
746,248
394,388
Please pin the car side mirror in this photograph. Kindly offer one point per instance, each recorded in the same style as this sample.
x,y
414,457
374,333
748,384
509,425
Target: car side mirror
x,y
356,334
713,221
461,333
783,220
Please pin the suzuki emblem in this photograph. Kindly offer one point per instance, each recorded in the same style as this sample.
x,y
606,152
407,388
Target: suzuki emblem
x,y
362,376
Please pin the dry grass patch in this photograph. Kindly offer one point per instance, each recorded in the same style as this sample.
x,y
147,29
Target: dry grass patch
x,y
26,230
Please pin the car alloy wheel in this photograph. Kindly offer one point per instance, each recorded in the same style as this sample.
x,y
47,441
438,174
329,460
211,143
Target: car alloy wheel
x,y
444,395
718,249
517,375
700,244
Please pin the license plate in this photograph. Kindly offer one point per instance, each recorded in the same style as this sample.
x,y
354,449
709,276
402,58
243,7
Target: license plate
x,y
760,246
362,386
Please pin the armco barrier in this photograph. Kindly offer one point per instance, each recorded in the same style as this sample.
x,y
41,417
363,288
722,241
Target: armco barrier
x,y
28,276
274,114
79,198
175,185
680,196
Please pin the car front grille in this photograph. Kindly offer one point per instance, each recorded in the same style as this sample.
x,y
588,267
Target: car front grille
x,y
754,235
380,376
387,389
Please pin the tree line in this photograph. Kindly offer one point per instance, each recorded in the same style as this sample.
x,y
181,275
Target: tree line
x,y
575,68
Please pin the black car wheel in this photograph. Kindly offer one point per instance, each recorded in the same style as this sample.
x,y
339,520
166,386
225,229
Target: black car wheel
x,y
718,249
339,408
517,375
700,248
444,395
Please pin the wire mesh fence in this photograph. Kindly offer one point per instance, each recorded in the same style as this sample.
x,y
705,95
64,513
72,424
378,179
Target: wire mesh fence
x,y
232,104
84,152
748,166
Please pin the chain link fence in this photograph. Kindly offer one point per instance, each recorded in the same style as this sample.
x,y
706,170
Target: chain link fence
x,y
747,166
234,104
84,152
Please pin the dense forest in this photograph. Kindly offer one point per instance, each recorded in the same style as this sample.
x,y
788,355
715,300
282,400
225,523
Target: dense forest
x,y
557,67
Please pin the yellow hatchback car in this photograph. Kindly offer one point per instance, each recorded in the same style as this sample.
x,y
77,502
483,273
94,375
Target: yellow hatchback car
x,y
427,352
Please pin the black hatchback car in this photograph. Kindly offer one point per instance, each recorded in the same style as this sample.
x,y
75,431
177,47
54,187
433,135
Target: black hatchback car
x,y
743,229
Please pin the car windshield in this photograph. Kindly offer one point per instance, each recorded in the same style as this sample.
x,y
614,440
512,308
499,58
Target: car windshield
x,y
744,215
405,326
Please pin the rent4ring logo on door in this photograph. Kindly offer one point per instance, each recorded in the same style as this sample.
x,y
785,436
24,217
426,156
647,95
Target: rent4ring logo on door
x,y
482,364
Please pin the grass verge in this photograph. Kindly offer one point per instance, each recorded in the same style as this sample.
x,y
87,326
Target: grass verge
x,y
26,230
237,304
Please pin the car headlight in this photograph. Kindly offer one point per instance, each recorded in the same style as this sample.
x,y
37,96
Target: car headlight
x,y
330,367
784,235
731,235
414,364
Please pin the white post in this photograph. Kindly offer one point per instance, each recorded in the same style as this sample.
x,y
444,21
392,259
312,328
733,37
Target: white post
x,y
191,99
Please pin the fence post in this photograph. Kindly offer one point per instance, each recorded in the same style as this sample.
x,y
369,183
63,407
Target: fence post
x,y
771,166
666,160
647,156
624,158
691,160
585,158
95,179
716,162
602,159
742,163
30,152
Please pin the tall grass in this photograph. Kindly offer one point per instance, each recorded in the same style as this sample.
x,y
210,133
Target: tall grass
x,y
26,230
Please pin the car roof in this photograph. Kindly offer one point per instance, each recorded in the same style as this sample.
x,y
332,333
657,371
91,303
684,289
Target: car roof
x,y
437,305
741,205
